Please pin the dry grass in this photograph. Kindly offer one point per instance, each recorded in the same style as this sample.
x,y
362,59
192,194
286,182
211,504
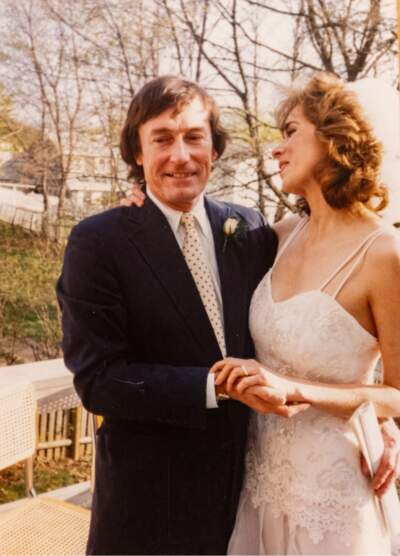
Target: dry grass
x,y
29,315
48,475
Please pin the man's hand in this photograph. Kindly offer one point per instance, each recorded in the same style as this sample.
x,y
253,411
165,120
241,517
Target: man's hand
x,y
258,394
246,373
389,466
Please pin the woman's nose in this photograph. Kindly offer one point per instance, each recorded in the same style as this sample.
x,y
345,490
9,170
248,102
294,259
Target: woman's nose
x,y
277,151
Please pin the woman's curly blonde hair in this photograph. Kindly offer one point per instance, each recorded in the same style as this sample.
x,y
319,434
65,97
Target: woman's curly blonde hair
x,y
349,175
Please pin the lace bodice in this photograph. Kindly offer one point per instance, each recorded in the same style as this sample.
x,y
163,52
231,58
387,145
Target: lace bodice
x,y
308,466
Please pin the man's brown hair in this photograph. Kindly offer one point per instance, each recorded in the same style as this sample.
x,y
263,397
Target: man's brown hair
x,y
150,101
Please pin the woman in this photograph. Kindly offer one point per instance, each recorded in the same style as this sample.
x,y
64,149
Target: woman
x,y
320,318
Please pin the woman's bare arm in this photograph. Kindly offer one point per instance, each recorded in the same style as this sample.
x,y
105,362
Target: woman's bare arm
x,y
342,399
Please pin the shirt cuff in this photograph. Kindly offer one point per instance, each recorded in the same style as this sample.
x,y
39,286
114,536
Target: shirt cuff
x,y
211,397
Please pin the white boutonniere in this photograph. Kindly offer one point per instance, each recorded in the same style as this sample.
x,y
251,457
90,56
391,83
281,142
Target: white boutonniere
x,y
233,228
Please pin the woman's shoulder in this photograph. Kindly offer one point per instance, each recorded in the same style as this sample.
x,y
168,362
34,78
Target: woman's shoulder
x,y
383,255
387,242
285,227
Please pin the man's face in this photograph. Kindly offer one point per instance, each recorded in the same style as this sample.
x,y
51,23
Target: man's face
x,y
177,154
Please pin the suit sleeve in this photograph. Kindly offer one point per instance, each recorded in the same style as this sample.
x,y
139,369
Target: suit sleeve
x,y
96,346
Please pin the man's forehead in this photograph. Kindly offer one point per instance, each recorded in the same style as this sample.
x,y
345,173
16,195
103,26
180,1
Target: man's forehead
x,y
192,115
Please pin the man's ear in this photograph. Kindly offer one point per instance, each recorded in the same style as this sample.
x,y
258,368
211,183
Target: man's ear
x,y
139,159
214,155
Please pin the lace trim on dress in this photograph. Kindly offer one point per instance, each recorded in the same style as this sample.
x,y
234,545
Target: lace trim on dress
x,y
319,496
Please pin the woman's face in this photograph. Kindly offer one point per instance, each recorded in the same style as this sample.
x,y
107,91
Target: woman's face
x,y
299,153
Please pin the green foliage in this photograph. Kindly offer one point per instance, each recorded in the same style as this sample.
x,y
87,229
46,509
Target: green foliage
x,y
29,314
6,119
13,132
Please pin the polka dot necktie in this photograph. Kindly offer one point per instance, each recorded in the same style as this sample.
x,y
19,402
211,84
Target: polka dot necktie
x,y
196,261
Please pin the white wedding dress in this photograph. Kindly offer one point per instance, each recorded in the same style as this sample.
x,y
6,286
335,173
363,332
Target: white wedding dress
x,y
304,492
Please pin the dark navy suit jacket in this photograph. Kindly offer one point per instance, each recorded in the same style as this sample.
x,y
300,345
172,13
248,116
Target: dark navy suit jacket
x,y
138,340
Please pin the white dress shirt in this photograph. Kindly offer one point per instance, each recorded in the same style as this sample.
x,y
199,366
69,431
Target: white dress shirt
x,y
207,243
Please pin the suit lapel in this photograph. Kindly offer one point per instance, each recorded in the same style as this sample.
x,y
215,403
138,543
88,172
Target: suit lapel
x,y
151,233
233,277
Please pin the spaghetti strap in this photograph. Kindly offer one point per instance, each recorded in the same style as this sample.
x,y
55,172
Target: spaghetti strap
x,y
299,226
357,255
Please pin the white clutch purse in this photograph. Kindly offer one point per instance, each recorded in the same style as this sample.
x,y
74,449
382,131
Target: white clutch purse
x,y
366,426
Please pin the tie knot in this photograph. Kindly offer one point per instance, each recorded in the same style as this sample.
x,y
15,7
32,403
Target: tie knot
x,y
187,219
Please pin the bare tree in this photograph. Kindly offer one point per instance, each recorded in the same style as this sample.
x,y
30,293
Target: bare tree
x,y
124,40
237,71
34,160
49,85
103,50
108,109
351,38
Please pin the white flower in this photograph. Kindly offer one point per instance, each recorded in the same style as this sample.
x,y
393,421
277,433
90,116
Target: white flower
x,y
230,226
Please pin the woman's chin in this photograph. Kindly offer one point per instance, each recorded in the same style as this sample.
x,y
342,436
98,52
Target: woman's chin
x,y
289,189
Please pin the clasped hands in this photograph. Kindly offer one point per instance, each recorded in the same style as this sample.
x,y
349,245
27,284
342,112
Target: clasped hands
x,y
247,381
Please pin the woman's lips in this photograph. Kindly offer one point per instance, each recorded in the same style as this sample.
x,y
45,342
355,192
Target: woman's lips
x,y
282,167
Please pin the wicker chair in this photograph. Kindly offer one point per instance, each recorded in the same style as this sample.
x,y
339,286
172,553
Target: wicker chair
x,y
17,435
40,525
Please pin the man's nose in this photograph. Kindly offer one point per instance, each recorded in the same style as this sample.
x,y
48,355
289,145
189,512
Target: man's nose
x,y
180,151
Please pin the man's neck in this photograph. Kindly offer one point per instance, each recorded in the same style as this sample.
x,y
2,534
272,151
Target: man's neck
x,y
187,207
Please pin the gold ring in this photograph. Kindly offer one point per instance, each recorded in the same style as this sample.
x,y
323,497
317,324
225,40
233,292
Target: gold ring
x,y
246,372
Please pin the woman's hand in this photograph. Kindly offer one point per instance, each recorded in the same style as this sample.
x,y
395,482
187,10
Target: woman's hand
x,y
246,381
231,370
389,466
241,374
136,197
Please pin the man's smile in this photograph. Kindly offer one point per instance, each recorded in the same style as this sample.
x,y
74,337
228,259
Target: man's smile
x,y
180,175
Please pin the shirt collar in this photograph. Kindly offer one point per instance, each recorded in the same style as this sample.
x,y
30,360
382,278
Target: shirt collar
x,y
174,216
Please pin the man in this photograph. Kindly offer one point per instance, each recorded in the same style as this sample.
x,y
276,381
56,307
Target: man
x,y
150,301
151,298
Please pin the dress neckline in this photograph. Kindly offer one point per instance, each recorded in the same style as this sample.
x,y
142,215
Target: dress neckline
x,y
348,315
